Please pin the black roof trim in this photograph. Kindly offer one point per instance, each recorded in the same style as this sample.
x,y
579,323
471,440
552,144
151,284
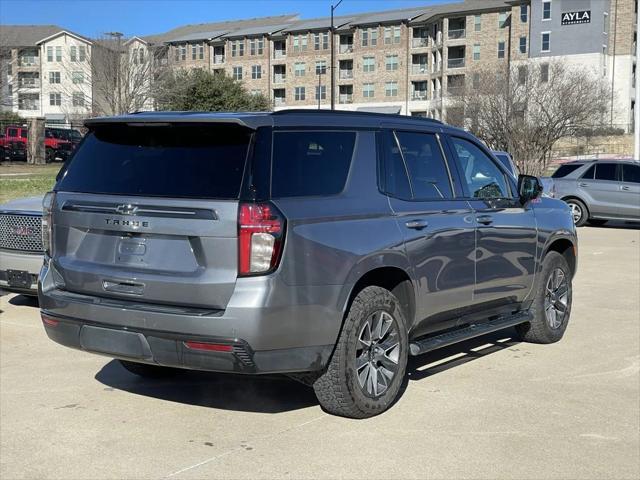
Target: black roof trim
x,y
314,111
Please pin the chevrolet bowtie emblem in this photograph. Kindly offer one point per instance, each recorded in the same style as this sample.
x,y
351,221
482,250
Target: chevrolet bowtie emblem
x,y
126,209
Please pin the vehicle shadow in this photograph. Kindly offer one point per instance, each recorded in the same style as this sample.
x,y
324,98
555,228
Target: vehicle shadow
x,y
277,393
24,301
613,224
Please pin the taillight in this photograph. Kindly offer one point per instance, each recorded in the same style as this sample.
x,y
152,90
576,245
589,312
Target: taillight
x,y
260,238
47,206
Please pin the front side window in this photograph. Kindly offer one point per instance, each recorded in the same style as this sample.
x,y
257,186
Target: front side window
x,y
482,176
310,163
425,165
606,171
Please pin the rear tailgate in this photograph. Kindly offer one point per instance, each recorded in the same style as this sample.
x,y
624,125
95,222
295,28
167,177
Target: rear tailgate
x,y
150,213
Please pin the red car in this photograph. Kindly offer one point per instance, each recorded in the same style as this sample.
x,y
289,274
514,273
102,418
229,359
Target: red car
x,y
15,141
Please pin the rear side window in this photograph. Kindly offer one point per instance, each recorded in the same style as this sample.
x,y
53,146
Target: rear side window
x,y
425,165
12,132
184,161
606,171
310,163
631,173
564,170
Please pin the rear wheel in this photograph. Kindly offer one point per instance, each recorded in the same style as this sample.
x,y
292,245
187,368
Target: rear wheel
x,y
369,362
578,211
145,370
551,307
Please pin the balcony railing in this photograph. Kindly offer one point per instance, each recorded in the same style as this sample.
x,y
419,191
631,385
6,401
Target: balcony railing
x,y
29,84
279,53
217,59
27,61
457,33
455,62
419,95
345,98
418,69
455,90
279,78
279,101
346,74
346,48
417,42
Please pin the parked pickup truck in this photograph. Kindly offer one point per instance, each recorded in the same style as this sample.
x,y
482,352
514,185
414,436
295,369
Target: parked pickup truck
x,y
16,138
328,246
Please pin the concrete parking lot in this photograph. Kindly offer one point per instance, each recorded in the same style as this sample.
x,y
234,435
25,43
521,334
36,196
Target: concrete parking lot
x,y
489,408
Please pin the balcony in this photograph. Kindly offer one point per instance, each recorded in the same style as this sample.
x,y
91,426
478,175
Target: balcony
x,y
455,62
419,42
346,48
345,98
419,69
218,59
346,74
279,101
457,34
279,78
279,54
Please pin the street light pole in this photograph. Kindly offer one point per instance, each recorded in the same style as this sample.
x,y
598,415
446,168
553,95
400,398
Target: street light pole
x,y
333,46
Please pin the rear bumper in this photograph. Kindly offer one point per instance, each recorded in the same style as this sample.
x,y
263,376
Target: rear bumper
x,y
271,327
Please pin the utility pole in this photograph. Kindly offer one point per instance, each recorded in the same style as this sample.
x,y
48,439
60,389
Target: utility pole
x,y
333,54
118,65
636,108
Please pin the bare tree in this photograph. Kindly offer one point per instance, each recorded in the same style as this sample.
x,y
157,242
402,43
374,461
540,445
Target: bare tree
x,y
526,110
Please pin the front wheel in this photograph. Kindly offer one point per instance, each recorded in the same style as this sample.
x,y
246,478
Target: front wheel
x,y
551,307
579,212
368,364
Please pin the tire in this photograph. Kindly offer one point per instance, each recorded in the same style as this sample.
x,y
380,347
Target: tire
x,y
145,370
540,329
595,222
579,211
49,155
350,386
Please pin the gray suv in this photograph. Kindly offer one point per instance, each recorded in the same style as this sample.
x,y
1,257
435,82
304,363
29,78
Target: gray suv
x,y
598,191
328,246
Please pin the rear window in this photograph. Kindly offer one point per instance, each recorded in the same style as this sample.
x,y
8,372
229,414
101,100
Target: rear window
x,y
190,161
565,170
308,163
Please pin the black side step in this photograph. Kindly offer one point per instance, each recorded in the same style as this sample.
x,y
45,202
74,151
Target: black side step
x,y
420,346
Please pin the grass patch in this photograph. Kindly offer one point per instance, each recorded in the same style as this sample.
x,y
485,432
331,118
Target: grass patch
x,y
22,180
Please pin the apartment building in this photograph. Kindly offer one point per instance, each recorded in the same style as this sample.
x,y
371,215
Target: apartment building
x,y
45,72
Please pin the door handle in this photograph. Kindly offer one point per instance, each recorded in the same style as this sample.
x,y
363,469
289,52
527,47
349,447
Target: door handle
x,y
624,187
582,184
417,224
484,219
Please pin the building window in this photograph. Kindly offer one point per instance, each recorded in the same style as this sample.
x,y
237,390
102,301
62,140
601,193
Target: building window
x,y
546,10
77,99
477,23
368,90
475,80
369,37
183,52
391,89
476,51
300,43
256,72
391,35
58,54
391,63
522,75
299,69
298,93
200,53
544,72
237,48
256,46
177,54
320,41
321,92
502,19
501,49
74,53
524,13
194,52
77,77
523,44
54,77
49,54
368,64
546,41
55,99
321,67
237,73
82,53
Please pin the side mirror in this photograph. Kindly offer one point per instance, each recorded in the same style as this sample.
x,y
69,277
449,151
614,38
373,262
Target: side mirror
x,y
529,188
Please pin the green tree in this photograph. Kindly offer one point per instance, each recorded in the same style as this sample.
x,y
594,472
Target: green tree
x,y
198,90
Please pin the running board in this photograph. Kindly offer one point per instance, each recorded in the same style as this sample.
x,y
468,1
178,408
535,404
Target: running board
x,y
420,346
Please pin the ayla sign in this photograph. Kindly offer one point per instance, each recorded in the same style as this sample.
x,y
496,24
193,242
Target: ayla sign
x,y
572,18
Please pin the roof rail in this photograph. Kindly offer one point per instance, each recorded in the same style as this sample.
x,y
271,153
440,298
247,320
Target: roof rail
x,y
353,112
